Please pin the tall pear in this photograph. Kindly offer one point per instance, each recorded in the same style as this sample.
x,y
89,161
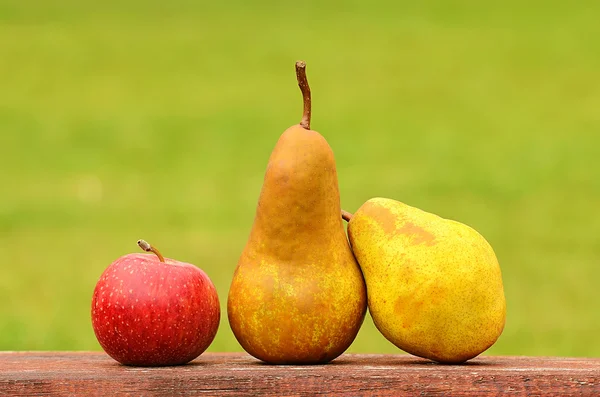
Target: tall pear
x,y
298,295
434,285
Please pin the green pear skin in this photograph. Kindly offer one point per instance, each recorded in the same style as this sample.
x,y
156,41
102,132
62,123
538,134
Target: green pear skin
x,y
434,285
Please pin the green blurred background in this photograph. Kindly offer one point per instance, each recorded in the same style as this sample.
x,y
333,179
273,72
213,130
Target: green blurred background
x,y
152,119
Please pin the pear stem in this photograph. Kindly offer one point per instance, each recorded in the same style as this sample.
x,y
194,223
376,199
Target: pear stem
x,y
305,88
148,248
346,216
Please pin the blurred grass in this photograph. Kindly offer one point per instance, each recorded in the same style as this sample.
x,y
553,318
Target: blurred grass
x,y
145,119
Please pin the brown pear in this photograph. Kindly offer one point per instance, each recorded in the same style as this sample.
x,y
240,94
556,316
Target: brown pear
x,y
298,295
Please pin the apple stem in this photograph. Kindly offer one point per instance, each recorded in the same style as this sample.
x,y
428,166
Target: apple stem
x,y
346,216
148,248
305,88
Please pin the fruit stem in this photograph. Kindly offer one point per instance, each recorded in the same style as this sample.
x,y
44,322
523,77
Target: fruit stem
x,y
148,248
346,216
305,88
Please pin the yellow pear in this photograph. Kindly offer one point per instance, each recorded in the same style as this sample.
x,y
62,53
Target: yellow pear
x,y
434,285
297,294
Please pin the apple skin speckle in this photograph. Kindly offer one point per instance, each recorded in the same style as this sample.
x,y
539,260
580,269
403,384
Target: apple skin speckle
x,y
152,325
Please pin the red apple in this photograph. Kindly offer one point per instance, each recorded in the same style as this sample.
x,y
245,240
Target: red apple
x,y
153,311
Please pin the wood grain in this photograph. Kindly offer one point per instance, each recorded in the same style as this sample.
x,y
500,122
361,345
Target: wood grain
x,y
223,374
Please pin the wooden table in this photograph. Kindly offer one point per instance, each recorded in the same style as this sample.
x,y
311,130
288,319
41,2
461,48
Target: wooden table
x,y
228,374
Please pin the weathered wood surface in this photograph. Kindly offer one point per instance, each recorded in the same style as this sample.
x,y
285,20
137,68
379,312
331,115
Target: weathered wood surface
x,y
223,374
